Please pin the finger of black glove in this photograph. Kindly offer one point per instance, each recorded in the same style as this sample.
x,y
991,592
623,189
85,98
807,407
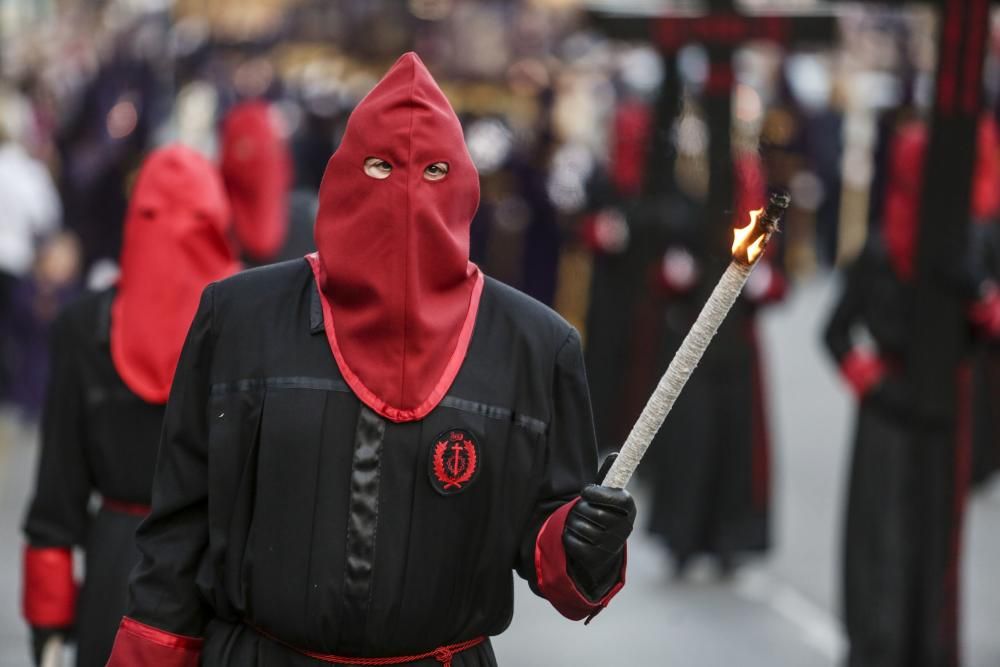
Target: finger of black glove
x,y
612,538
594,527
617,501
598,526
590,553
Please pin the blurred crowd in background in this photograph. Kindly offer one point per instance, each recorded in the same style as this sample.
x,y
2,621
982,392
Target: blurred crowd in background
x,y
596,164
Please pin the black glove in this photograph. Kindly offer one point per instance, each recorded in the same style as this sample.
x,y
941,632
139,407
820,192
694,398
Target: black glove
x,y
594,538
41,636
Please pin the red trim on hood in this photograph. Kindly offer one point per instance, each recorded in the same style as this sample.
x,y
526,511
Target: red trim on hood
x,y
367,396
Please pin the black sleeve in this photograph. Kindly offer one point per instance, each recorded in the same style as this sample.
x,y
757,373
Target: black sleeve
x,y
173,539
571,449
57,515
847,311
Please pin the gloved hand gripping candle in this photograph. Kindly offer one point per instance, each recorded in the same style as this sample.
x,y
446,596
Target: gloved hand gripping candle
x,y
748,246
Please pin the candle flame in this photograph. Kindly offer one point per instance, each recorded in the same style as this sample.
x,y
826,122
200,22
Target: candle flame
x,y
745,244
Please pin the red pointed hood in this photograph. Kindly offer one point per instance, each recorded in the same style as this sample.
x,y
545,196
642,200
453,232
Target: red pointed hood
x,y
256,168
901,212
399,292
175,243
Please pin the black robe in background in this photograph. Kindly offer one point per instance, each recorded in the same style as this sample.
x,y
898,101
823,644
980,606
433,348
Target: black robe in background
x,y
285,508
710,467
97,438
623,327
906,495
985,242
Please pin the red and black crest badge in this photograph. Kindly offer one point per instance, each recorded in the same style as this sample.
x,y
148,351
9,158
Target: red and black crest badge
x,y
455,461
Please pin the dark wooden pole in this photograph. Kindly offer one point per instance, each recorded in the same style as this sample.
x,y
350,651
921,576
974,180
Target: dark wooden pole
x,y
939,450
939,329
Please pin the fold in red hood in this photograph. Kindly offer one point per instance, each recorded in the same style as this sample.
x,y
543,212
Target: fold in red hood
x,y
257,170
399,292
175,242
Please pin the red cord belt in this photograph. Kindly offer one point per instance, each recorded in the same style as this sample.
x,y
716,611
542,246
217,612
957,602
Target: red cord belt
x,y
442,654
122,507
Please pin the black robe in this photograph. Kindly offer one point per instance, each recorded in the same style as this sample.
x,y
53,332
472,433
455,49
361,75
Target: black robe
x,y
99,438
623,323
288,514
906,496
710,467
985,244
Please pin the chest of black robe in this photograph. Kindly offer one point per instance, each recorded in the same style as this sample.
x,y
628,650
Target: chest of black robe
x,y
326,525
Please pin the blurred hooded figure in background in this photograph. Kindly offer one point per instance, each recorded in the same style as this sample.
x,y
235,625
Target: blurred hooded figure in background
x,y
906,501
715,499
257,170
113,358
361,446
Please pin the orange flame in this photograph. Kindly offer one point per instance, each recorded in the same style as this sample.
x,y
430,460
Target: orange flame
x,y
745,244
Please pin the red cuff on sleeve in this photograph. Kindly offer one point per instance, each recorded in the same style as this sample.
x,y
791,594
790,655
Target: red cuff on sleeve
x,y
49,590
140,644
553,578
862,370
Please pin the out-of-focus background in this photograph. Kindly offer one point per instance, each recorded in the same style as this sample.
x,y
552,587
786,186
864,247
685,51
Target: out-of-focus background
x,y
618,142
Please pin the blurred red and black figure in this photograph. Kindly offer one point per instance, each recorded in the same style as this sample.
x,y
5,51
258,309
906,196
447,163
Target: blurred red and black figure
x,y
904,517
714,500
257,170
361,445
113,358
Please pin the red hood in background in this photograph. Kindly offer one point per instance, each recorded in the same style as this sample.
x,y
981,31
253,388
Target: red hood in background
x,y
257,170
900,215
399,293
901,212
176,241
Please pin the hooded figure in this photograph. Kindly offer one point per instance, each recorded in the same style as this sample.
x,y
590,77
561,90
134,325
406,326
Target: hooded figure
x,y
906,498
257,170
113,359
362,445
399,298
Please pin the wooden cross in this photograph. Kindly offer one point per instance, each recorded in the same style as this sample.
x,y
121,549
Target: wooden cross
x,y
720,31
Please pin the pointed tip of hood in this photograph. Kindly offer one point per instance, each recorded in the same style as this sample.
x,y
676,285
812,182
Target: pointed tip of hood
x,y
411,58
179,173
408,79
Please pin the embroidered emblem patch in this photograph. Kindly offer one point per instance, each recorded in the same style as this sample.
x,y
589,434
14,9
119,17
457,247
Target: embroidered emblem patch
x,y
454,461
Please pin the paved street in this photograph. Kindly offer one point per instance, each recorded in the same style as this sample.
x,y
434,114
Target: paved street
x,y
781,612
